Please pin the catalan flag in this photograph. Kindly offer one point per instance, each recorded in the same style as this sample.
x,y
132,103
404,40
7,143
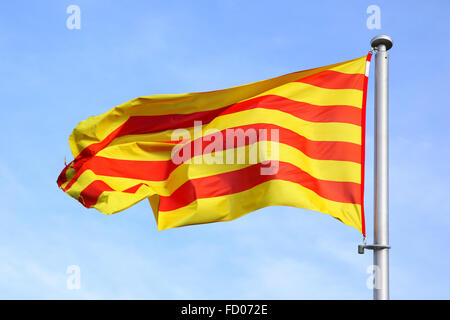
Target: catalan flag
x,y
294,140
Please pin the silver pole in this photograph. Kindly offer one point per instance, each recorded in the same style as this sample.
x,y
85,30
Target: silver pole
x,y
381,44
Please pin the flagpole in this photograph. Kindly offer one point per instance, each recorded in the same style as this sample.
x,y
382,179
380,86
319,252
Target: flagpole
x,y
381,44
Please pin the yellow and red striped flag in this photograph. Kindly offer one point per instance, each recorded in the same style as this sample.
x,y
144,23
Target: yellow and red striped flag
x,y
193,155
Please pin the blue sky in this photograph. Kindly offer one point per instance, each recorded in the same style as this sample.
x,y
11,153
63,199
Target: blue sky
x,y
53,77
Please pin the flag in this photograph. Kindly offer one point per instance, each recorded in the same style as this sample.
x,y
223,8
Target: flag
x,y
294,140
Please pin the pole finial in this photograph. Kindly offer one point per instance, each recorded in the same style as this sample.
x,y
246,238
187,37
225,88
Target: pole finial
x,y
382,39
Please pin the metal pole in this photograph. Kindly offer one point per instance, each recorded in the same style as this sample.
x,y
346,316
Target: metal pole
x,y
381,44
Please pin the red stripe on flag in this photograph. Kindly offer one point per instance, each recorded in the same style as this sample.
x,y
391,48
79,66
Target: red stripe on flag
x,y
304,111
247,178
160,170
89,196
330,79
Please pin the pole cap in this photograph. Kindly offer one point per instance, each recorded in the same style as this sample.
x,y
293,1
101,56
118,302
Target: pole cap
x,y
382,39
